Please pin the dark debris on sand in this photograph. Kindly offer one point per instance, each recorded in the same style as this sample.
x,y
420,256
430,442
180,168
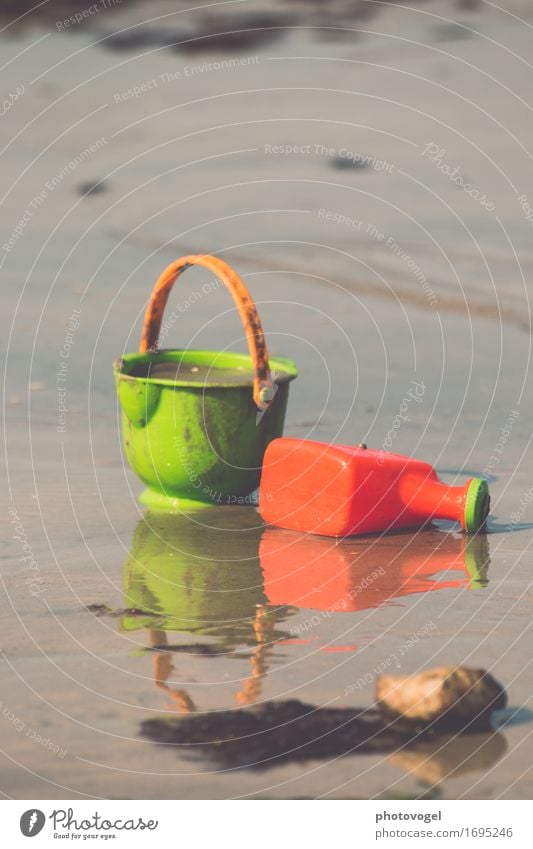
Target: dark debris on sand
x,y
228,30
288,731
35,11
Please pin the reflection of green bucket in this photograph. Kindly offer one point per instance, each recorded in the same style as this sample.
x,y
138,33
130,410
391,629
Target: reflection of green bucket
x,y
195,578
201,439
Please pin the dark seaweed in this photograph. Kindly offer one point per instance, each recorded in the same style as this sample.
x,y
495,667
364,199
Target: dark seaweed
x,y
289,731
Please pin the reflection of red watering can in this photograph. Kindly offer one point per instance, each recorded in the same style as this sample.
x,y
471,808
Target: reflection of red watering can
x,y
306,571
340,490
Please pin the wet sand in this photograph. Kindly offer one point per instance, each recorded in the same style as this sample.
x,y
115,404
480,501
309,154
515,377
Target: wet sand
x,y
307,164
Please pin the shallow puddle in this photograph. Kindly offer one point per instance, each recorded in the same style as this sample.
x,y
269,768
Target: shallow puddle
x,y
219,574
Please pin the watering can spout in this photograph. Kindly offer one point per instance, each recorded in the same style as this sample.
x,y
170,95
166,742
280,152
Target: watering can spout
x,y
138,400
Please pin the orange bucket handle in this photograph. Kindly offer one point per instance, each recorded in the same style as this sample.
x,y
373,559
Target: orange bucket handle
x,y
263,386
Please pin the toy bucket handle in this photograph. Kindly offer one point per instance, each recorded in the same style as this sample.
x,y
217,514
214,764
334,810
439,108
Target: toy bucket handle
x,y
263,386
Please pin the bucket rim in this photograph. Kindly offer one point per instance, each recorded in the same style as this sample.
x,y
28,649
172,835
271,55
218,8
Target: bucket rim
x,y
283,370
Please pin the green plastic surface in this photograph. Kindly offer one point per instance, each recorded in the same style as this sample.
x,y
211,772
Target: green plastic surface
x,y
197,442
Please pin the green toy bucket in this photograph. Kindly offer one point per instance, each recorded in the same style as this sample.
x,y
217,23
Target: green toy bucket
x,y
196,424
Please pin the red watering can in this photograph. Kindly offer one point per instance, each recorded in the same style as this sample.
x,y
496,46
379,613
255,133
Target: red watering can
x,y
342,490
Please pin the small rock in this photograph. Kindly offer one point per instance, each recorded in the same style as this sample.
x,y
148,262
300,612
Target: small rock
x,y
449,696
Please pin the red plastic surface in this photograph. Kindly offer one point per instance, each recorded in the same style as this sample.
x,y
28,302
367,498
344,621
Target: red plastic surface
x,y
339,490
306,571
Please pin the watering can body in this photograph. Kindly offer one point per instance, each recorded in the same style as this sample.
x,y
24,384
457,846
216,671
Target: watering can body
x,y
340,490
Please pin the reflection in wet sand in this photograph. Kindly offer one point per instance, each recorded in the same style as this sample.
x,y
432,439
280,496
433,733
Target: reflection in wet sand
x,y
291,731
200,574
360,573
220,573
206,573
434,761
197,574
251,690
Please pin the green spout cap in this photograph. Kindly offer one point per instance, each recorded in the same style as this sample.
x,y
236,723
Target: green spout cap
x,y
477,505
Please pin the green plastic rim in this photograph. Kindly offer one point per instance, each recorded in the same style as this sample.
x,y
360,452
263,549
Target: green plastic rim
x,y
477,505
160,502
282,369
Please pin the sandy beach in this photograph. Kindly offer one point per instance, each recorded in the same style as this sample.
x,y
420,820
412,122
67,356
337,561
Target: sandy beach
x,y
366,168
